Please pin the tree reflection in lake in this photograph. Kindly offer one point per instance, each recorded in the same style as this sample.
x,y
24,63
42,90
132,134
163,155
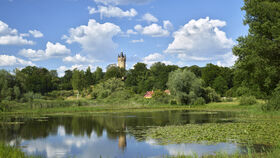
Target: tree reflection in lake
x,y
108,135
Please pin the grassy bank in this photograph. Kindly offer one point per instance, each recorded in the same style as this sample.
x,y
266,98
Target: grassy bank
x,y
82,106
12,152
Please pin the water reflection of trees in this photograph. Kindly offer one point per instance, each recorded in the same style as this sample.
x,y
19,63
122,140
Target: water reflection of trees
x,y
115,125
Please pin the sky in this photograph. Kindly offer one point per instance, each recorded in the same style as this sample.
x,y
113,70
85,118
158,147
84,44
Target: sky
x,y
67,34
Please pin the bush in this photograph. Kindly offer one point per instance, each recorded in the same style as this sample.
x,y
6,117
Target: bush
x,y
273,104
161,97
210,95
247,100
241,91
199,101
106,88
230,92
60,94
30,96
121,95
4,106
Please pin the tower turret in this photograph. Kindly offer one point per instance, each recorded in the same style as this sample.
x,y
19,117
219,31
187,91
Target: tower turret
x,y
121,60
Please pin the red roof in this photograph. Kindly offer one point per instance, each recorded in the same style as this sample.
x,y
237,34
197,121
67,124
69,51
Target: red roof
x,y
149,94
167,92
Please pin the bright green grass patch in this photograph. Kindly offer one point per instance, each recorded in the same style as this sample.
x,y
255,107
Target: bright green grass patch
x,y
264,132
12,152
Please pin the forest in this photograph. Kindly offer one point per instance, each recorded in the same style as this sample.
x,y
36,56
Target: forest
x,y
255,75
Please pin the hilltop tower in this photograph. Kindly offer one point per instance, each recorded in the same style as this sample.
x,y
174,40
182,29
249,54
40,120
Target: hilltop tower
x,y
121,60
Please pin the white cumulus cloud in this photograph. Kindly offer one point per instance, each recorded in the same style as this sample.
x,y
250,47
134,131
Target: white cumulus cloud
x,y
9,36
52,50
200,40
77,59
153,30
95,38
112,11
61,70
7,60
155,57
36,33
149,18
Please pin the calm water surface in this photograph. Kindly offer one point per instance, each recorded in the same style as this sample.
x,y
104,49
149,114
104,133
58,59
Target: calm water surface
x,y
109,135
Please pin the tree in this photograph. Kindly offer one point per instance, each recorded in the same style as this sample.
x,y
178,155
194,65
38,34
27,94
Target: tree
x,y
210,73
220,85
136,77
184,85
258,65
17,92
66,80
89,77
159,75
114,72
196,70
37,80
98,74
78,80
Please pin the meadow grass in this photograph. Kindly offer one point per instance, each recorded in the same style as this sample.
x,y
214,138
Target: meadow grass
x,y
7,151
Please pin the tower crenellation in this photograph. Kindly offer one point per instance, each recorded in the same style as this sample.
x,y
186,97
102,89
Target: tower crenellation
x,y
121,60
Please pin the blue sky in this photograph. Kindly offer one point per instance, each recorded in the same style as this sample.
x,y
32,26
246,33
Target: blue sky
x,y
67,34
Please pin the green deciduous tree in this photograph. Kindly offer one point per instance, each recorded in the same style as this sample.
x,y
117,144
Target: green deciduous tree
x,y
98,74
78,80
220,85
114,72
89,77
258,64
136,78
184,85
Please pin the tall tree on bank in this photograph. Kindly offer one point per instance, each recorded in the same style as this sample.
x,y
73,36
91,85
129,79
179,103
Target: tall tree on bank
x,y
78,81
258,64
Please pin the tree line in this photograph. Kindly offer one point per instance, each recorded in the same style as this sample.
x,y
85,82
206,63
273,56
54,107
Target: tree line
x,y
255,73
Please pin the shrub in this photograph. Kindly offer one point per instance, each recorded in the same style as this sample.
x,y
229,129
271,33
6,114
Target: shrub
x,y
30,96
199,101
4,106
121,94
60,94
230,92
273,104
240,91
106,88
247,100
161,97
210,95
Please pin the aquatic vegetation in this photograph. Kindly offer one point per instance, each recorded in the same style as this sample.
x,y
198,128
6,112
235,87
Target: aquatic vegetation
x,y
255,132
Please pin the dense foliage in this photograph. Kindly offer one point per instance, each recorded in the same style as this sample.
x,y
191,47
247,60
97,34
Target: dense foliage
x,y
258,64
185,86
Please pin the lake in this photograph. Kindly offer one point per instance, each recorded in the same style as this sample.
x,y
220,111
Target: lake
x,y
109,135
